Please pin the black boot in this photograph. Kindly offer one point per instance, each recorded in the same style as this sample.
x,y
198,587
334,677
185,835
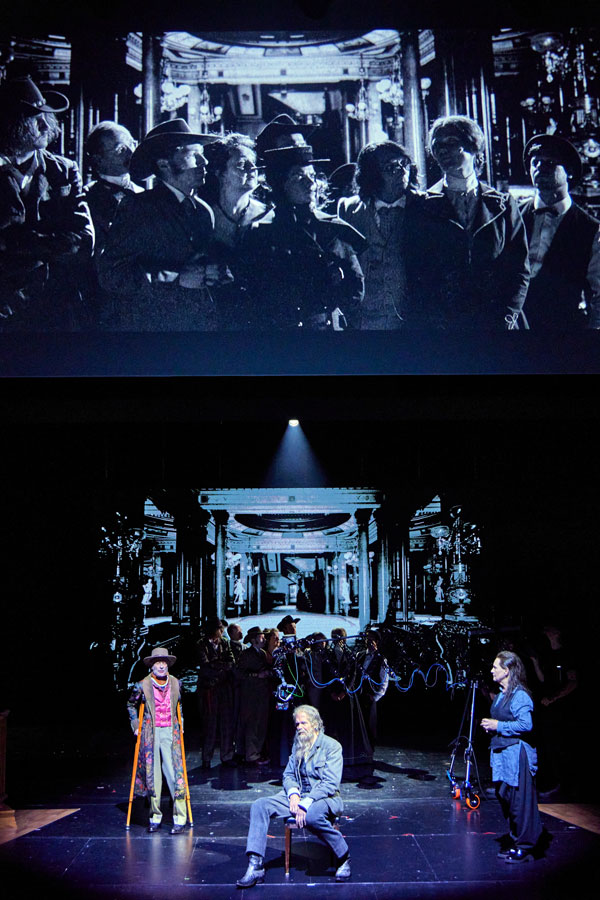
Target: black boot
x,y
255,873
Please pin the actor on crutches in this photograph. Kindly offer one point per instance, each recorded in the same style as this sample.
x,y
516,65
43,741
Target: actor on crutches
x,y
160,743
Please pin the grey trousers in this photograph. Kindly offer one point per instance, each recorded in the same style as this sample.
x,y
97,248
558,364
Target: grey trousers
x,y
318,822
163,754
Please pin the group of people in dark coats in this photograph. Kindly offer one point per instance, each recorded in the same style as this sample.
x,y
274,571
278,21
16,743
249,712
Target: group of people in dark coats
x,y
232,234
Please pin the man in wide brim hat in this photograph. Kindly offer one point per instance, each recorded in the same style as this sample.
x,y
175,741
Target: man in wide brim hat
x,y
559,149
160,654
159,261
253,632
25,96
47,233
160,749
161,139
285,624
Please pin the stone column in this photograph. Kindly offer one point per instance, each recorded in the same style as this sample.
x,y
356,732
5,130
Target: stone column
x,y
259,589
363,517
383,565
221,518
398,556
414,118
336,584
151,58
327,586
205,606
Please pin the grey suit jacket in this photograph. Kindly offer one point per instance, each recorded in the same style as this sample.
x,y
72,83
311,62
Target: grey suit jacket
x,y
324,770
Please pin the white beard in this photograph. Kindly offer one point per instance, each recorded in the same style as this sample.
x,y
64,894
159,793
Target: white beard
x,y
303,744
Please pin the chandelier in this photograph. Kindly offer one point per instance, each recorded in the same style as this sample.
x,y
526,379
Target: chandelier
x,y
390,89
173,96
121,539
550,46
360,109
207,114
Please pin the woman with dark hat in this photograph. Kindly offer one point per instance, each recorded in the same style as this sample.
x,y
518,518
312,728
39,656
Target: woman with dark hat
x,y
47,232
309,275
160,747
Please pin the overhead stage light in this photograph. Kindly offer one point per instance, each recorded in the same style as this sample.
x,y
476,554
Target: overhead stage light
x,y
294,423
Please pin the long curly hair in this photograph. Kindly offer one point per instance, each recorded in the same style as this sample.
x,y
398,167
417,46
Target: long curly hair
x,y
14,129
368,178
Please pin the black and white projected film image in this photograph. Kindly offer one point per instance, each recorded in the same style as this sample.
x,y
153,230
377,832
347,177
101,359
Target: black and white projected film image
x,y
364,193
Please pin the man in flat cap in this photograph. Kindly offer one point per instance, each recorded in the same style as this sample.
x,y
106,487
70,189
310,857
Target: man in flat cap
x,y
156,258
160,747
256,685
564,241
46,234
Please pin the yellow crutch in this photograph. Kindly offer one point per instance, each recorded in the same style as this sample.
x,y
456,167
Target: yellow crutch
x,y
185,776
135,761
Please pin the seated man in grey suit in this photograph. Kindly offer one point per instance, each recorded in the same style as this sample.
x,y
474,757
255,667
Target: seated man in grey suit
x,y
311,793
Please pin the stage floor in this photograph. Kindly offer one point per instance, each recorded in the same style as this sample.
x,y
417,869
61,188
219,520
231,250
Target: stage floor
x,y
408,839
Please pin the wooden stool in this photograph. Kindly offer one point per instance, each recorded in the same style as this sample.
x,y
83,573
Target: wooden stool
x,y
290,825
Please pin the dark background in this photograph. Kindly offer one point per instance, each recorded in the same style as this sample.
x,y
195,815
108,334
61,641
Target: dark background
x,y
518,449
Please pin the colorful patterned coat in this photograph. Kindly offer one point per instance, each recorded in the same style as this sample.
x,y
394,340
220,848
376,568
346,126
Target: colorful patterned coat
x,y
144,779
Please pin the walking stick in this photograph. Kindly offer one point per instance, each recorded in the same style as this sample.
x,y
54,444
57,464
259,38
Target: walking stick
x,y
185,776
135,761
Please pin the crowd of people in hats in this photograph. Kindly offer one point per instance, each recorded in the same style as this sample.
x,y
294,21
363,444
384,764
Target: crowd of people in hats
x,y
208,232
248,686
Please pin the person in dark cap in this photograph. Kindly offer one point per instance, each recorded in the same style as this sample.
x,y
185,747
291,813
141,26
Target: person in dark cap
x,y
255,682
384,179
564,241
46,233
156,253
160,746
465,255
309,276
215,692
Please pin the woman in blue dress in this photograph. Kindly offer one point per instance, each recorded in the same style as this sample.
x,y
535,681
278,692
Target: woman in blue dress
x,y
513,756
